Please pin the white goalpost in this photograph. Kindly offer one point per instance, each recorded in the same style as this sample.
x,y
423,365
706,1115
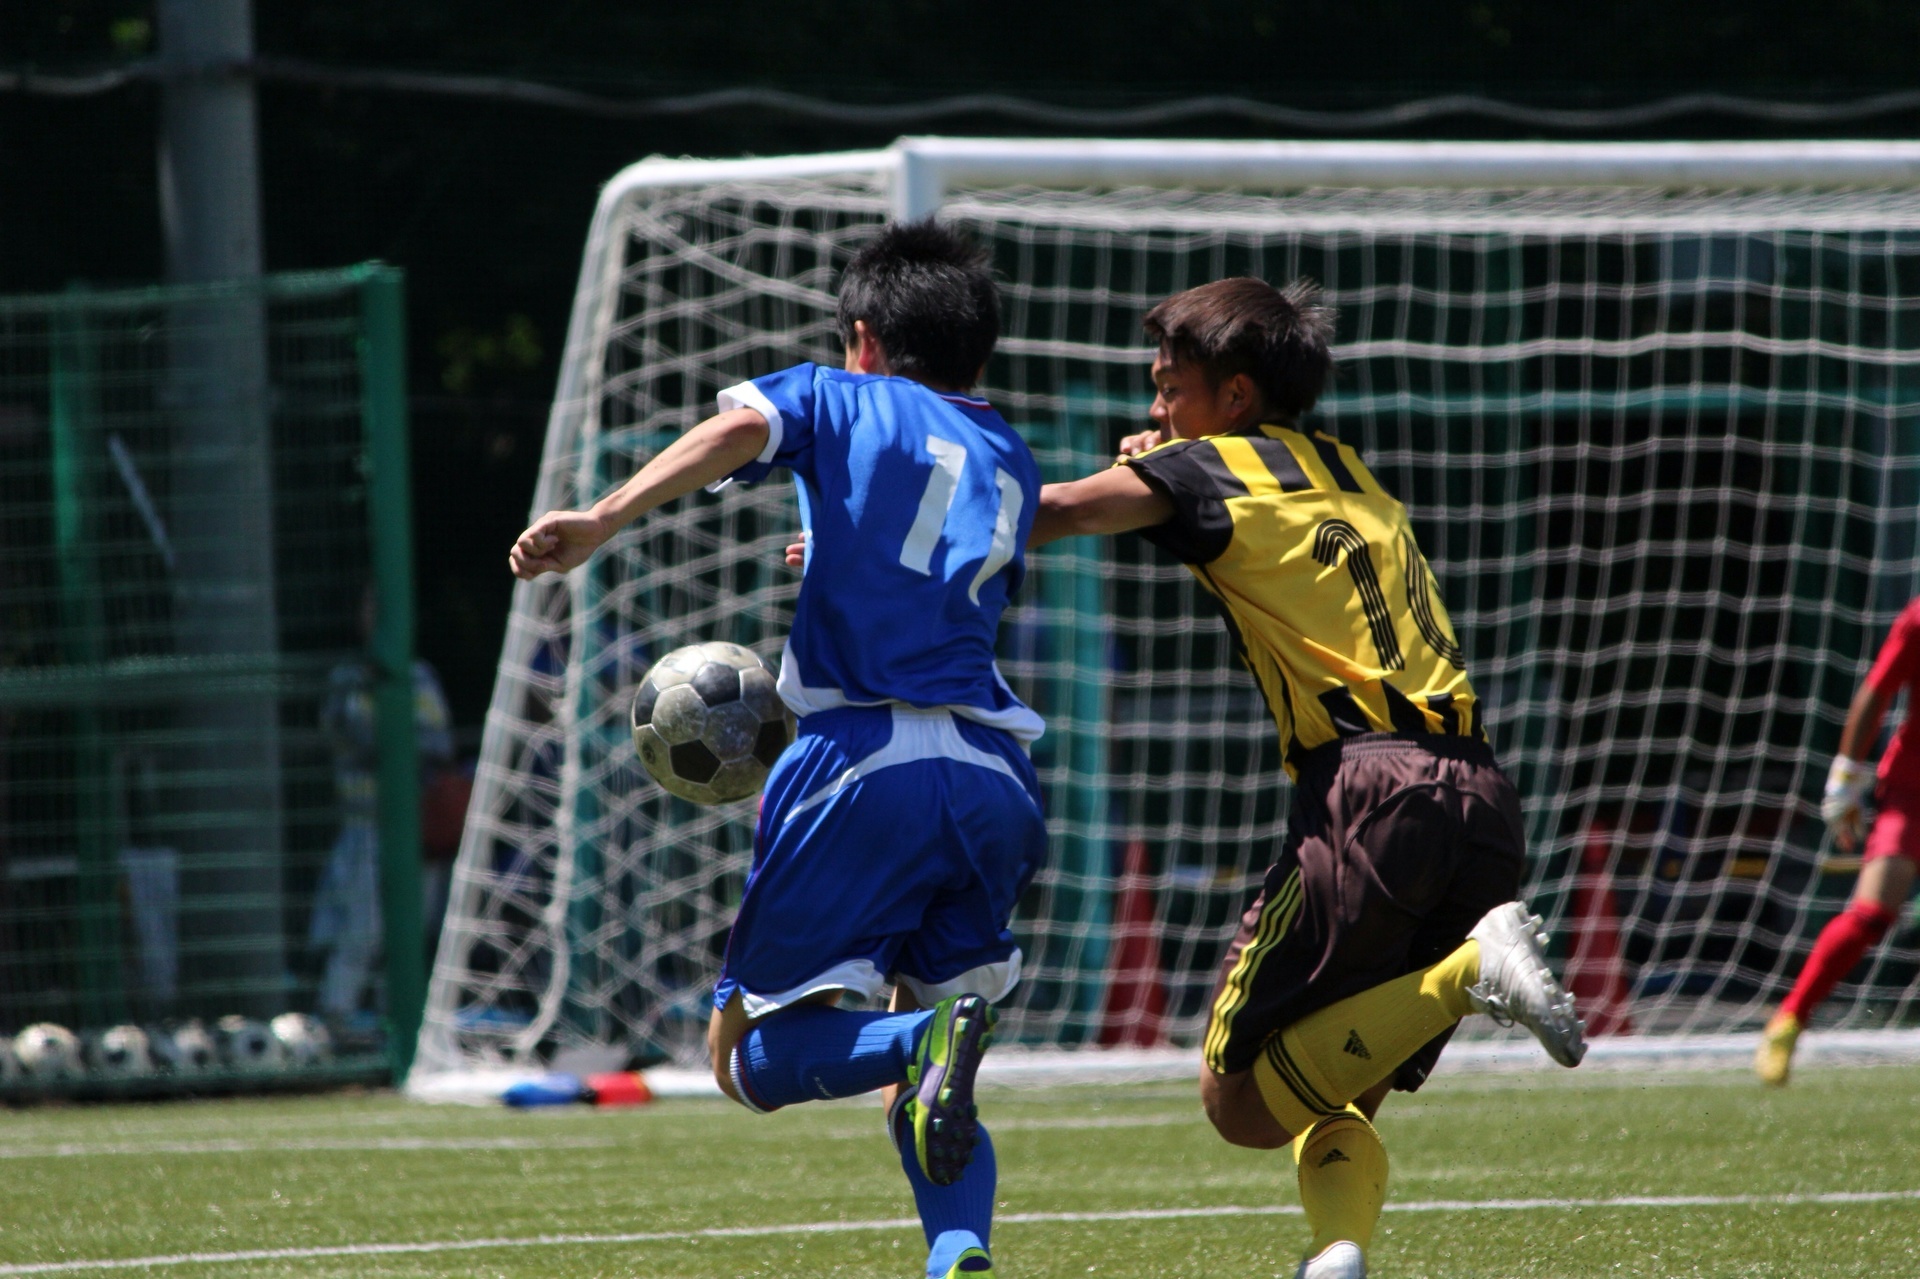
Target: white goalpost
x,y
1655,409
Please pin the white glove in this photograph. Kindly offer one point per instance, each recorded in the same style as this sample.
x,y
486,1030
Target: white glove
x,y
1848,783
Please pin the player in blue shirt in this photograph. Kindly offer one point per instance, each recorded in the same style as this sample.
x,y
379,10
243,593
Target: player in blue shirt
x,y
902,825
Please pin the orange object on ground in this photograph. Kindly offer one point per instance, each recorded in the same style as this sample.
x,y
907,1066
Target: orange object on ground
x,y
619,1088
1596,975
1136,1012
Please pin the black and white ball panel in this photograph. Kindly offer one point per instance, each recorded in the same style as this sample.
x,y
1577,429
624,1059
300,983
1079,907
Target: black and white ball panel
x,y
679,714
708,722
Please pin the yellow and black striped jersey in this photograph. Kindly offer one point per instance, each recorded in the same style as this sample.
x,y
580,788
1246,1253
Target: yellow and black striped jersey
x,y
1326,593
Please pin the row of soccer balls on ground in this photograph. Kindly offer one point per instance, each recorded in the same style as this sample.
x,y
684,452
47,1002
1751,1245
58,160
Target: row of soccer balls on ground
x,y
49,1053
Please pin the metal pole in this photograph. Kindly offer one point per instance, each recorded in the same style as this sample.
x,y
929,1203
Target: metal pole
x,y
1075,591
919,188
227,782
209,165
78,444
383,391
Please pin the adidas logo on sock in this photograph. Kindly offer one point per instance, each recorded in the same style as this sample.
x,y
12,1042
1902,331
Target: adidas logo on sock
x,y
1357,1046
1333,1156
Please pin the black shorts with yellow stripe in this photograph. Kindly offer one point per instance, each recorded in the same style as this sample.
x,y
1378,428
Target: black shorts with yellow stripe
x,y
1395,847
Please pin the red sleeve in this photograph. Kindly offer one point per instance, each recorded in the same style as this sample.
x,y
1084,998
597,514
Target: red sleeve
x,y
1899,659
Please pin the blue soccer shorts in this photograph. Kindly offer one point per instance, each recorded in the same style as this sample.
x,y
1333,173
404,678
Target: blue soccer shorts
x,y
891,848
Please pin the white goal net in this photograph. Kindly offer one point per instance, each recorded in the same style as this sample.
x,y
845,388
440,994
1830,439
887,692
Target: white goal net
x,y
1658,429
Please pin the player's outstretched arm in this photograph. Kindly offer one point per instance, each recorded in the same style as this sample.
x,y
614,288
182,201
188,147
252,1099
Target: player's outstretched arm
x,y
1116,500
563,540
1851,778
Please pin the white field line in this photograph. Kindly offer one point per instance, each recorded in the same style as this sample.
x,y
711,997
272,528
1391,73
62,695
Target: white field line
x,y
73,1150
907,1223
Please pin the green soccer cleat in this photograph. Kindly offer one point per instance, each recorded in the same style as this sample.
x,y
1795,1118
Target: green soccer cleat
x,y
974,1263
945,1121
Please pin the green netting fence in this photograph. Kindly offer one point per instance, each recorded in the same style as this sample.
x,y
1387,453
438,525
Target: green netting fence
x,y
208,764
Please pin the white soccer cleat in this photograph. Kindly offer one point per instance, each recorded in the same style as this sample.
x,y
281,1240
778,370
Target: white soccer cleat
x,y
1517,987
1340,1260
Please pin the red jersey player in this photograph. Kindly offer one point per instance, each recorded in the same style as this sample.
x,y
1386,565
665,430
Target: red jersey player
x,y
1893,846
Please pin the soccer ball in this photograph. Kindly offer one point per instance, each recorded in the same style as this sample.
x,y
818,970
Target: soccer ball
x,y
248,1044
185,1050
304,1039
47,1051
708,724
120,1050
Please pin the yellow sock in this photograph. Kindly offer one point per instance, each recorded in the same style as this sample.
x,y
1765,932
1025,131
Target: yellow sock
x,y
1299,1146
1314,1067
1343,1179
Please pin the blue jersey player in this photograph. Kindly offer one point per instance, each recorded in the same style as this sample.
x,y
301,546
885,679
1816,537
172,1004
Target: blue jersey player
x,y
902,825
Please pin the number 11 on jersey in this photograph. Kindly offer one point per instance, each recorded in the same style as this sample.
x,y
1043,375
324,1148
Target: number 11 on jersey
x,y
936,501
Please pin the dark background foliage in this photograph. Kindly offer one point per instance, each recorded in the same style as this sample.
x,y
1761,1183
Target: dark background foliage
x,y
486,204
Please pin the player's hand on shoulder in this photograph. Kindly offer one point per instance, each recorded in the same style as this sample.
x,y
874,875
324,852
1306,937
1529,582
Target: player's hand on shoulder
x,y
1138,443
554,543
797,551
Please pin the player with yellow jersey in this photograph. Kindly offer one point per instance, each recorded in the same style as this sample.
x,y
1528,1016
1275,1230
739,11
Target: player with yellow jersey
x,y
1388,913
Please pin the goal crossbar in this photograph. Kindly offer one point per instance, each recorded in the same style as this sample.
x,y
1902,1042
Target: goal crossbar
x,y
919,172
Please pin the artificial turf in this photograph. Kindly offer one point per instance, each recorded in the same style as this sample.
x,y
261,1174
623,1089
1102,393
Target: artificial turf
x,y
814,1190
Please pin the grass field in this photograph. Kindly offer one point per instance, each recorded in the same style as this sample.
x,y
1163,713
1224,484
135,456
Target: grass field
x,y
1492,1176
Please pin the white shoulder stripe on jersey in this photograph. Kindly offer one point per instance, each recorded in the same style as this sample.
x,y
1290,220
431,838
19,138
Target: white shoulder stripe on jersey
x,y
745,395
917,735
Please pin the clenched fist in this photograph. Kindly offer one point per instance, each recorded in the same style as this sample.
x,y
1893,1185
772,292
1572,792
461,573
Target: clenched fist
x,y
556,542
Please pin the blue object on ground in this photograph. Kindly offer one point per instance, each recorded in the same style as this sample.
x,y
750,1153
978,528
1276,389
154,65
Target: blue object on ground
x,y
548,1090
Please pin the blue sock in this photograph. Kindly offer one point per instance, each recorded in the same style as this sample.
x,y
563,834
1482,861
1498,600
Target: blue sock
x,y
955,1217
810,1052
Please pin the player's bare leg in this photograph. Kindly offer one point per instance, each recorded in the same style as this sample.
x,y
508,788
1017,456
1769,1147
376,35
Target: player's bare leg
x,y
1239,1113
1885,881
1878,896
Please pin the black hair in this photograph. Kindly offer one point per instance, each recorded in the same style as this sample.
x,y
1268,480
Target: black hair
x,y
1281,338
926,291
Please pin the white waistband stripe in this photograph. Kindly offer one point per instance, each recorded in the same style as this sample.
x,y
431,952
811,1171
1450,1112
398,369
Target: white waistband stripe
x,y
917,735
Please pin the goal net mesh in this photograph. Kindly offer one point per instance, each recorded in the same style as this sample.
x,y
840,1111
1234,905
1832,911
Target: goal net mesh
x,y
1663,452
